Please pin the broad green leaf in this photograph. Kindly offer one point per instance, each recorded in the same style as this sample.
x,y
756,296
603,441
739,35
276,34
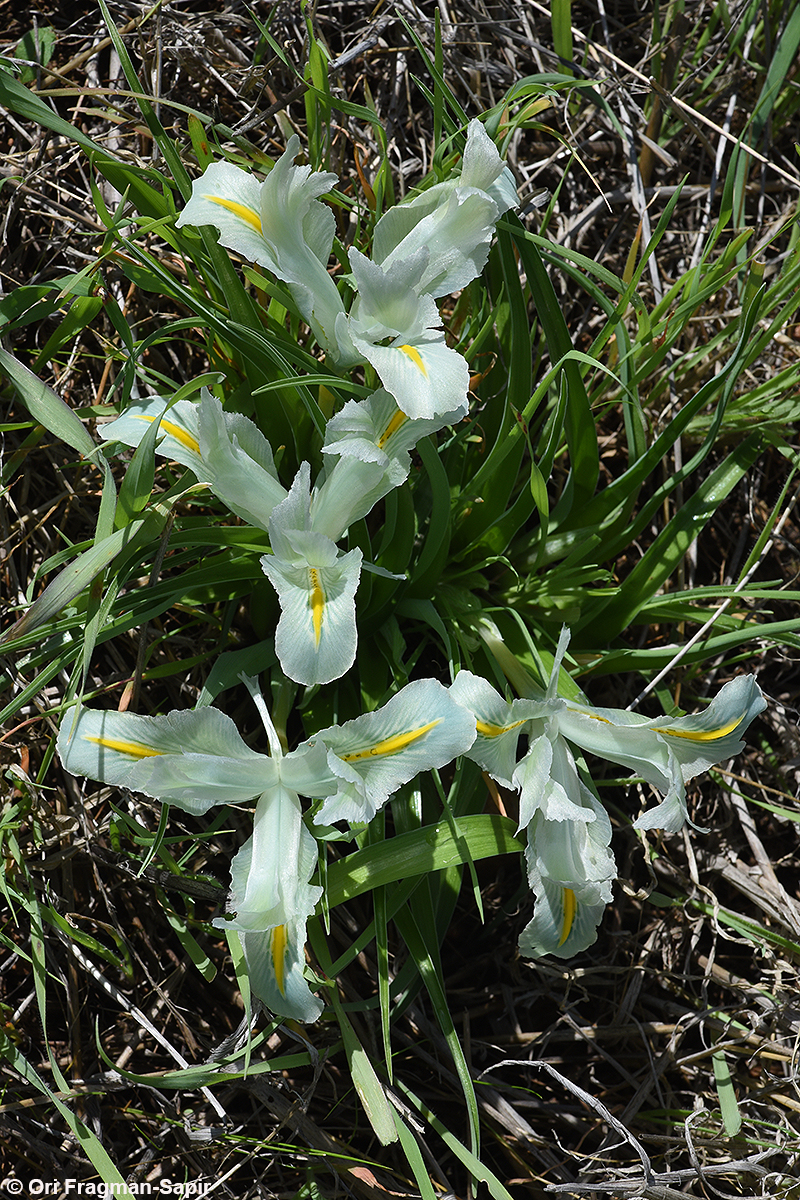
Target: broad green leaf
x,y
202,150
137,486
29,303
191,946
226,1071
731,1116
37,45
431,848
561,20
370,1090
78,575
229,667
48,408
119,958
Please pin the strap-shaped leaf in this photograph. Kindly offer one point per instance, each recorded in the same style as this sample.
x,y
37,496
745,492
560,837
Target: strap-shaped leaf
x,y
87,566
432,848
47,407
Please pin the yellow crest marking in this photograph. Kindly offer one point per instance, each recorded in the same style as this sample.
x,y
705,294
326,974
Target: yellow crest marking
x,y
594,717
390,745
692,735
486,729
239,210
317,602
415,357
176,432
702,735
570,908
134,749
278,951
397,420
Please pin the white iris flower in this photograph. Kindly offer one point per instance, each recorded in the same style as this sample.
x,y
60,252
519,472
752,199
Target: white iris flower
x,y
570,865
197,759
432,245
452,222
316,585
226,451
397,330
279,224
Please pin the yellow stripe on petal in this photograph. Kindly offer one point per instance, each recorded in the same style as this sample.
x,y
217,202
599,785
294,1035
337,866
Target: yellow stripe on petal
x,y
570,909
692,735
392,745
485,729
134,749
592,716
317,602
415,357
397,420
278,951
239,210
176,432
702,735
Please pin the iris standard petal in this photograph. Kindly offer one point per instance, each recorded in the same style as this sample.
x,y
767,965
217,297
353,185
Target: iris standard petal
x,y
499,724
279,224
483,168
276,971
193,759
292,515
316,636
570,870
389,302
177,436
423,374
349,490
377,430
419,729
548,782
